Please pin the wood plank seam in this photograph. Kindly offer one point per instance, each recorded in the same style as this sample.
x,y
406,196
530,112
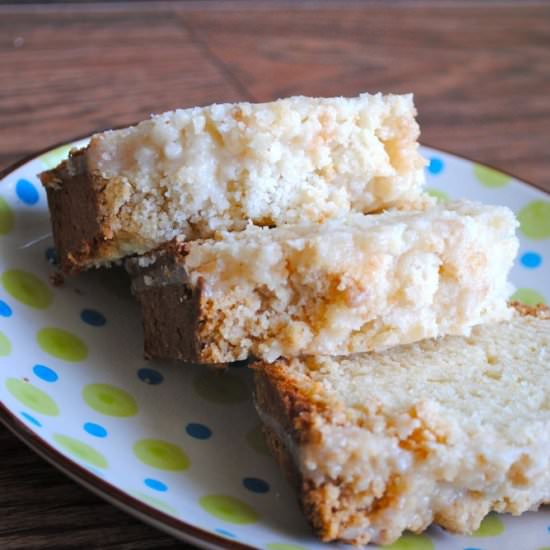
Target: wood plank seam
x,y
216,61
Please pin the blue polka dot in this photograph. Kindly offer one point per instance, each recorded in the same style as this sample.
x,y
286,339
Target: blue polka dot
x,y
150,376
26,191
256,485
531,260
5,310
93,317
436,165
198,431
226,533
95,429
156,485
45,373
51,255
31,419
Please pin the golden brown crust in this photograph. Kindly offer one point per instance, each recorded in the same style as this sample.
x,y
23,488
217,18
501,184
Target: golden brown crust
x,y
283,456
539,311
157,314
288,411
287,404
74,199
317,503
177,316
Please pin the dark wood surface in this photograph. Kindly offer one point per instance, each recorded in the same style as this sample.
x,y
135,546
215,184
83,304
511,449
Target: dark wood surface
x,y
480,72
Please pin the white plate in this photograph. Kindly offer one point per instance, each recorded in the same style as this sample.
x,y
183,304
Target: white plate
x,y
179,446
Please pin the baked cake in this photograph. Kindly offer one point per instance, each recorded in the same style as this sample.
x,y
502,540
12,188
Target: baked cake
x,y
443,430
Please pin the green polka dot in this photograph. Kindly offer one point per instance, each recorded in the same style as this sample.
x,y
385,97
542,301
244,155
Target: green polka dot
x,y
228,509
410,541
155,503
109,400
534,220
441,196
161,454
220,387
283,546
544,548
32,397
6,217
5,345
490,177
81,450
27,288
52,158
528,296
62,344
256,439
491,526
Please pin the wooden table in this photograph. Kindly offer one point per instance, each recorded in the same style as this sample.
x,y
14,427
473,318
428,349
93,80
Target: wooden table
x,y
480,72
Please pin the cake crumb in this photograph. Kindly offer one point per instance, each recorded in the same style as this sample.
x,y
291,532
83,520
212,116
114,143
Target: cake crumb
x,y
57,279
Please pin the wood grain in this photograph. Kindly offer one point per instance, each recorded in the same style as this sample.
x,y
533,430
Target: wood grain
x,y
480,72
41,508
70,73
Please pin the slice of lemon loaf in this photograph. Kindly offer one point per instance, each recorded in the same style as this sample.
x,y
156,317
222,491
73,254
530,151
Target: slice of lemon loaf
x,y
192,172
359,284
443,430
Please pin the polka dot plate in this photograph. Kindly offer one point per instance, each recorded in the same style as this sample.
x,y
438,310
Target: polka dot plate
x,y
180,446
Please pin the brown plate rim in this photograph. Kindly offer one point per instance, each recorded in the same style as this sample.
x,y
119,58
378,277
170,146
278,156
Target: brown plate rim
x,y
104,488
